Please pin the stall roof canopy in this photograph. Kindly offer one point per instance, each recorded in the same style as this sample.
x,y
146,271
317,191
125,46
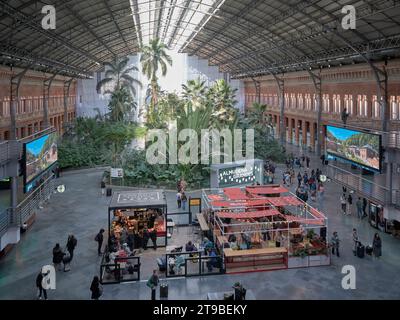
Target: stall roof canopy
x,y
249,214
138,199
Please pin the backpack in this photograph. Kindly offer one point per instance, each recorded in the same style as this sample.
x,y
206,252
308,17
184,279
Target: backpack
x,y
96,238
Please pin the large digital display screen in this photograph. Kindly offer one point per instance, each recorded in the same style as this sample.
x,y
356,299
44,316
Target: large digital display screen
x,y
359,147
40,154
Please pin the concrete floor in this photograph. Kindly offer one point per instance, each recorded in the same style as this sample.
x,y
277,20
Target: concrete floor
x,y
81,210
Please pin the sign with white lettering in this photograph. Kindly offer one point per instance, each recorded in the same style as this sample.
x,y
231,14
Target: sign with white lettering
x,y
117,173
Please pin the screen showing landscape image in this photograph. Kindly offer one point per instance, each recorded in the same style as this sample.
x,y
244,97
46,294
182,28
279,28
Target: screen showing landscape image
x,y
40,155
356,146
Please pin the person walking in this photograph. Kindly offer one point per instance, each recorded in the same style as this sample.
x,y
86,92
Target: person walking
x,y
96,288
103,187
179,199
39,285
152,283
377,246
359,206
343,203
335,243
58,255
299,178
71,245
99,239
183,200
355,241
350,204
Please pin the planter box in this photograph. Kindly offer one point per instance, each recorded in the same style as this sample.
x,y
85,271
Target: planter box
x,y
319,260
297,262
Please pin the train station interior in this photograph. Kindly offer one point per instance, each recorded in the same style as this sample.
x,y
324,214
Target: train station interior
x,y
108,168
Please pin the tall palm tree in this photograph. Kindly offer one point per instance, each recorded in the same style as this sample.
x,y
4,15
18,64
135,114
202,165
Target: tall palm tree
x,y
194,92
154,56
118,76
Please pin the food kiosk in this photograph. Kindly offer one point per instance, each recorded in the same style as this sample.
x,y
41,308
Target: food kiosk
x,y
132,212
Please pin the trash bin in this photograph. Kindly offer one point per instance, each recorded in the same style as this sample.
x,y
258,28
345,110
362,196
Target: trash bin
x,y
164,291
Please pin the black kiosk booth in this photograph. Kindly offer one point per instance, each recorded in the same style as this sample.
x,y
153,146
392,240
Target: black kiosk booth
x,y
131,216
137,210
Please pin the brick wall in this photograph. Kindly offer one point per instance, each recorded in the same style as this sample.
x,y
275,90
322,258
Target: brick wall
x,y
30,104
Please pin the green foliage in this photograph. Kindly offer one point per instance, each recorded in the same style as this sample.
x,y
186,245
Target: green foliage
x,y
121,105
94,142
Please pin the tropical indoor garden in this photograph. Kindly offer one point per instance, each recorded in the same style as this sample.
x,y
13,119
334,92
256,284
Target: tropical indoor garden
x,y
109,140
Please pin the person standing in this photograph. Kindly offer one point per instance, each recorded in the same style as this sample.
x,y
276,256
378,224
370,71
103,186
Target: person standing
x,y
152,283
344,115
179,199
308,162
377,246
355,241
335,244
58,255
146,237
103,187
343,203
365,203
96,288
183,200
321,190
99,238
39,285
71,244
323,160
359,206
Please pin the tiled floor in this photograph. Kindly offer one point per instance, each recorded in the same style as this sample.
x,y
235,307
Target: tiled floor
x,y
81,210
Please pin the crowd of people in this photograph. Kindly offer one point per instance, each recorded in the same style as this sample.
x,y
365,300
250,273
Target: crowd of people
x,y
61,262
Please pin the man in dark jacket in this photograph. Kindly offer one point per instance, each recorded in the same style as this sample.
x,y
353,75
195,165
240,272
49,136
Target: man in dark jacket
x,y
58,255
39,285
71,244
99,238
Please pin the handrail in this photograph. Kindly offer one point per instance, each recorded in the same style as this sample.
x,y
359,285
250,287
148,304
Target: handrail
x,y
367,188
26,207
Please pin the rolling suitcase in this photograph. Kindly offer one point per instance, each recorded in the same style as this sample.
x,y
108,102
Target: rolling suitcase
x,y
360,251
368,250
163,291
109,192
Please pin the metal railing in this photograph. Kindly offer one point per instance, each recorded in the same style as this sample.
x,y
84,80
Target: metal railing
x,y
5,219
363,186
33,201
396,197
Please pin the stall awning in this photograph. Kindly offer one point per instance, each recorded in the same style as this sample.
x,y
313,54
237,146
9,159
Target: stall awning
x,y
241,203
215,197
247,215
284,201
318,222
266,190
317,214
235,194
